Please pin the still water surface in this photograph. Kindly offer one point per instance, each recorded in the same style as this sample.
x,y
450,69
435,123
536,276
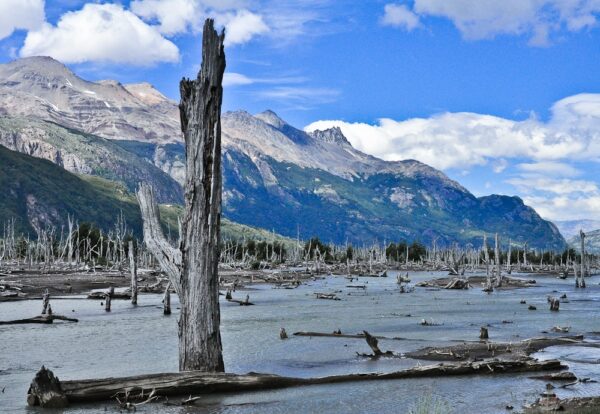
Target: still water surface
x,y
137,340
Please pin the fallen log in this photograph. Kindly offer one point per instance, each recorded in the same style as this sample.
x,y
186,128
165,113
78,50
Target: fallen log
x,y
101,295
196,382
478,350
340,335
39,319
330,296
245,302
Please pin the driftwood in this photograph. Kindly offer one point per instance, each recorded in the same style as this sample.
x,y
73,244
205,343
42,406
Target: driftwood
x,y
330,296
341,335
478,350
101,295
245,302
49,318
558,376
196,382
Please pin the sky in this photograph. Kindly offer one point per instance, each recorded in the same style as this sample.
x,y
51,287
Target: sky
x,y
503,96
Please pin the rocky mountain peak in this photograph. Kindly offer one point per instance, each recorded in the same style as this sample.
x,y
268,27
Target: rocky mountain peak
x,y
147,93
332,135
271,118
35,70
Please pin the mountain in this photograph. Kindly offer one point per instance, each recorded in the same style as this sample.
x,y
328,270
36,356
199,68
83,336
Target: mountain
x,y
571,228
38,193
85,153
44,88
276,176
592,242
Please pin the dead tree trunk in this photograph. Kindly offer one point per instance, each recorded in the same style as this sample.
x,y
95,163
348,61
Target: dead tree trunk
x,y
133,269
193,267
46,303
167,300
581,282
108,298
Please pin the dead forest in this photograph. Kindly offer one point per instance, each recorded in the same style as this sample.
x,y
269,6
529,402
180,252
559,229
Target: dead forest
x,y
203,270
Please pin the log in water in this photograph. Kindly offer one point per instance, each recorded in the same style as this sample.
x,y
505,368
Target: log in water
x,y
195,382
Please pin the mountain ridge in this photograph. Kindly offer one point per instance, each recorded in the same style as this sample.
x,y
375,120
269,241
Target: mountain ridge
x,y
278,176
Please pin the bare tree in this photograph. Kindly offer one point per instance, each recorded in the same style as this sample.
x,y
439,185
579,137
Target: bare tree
x,y
192,269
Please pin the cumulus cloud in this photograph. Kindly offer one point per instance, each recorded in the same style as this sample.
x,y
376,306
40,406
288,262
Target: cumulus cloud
x,y
459,140
399,15
173,16
566,207
20,14
101,32
242,26
485,19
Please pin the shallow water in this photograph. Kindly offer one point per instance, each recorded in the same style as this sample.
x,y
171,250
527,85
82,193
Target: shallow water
x,y
136,340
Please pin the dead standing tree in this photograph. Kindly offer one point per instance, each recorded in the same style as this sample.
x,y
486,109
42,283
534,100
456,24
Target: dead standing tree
x,y
192,269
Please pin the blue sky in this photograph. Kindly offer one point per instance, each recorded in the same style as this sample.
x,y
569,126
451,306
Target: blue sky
x,y
503,96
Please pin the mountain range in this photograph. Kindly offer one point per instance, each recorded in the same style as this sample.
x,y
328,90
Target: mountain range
x,y
276,176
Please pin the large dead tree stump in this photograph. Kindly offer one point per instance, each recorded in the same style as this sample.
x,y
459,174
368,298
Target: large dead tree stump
x,y
192,269
45,391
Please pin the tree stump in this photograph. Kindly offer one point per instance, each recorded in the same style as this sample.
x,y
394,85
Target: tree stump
x,y
108,298
167,300
46,302
483,333
45,391
373,343
283,334
554,304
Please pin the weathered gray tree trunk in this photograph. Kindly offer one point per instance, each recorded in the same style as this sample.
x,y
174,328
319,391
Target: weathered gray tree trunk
x,y
498,266
193,267
133,270
581,282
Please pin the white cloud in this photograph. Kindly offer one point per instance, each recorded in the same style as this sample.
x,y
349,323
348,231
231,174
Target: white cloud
x,y
20,14
566,207
101,32
235,79
239,79
187,16
300,95
460,140
241,26
485,19
173,16
399,15
550,169
536,184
